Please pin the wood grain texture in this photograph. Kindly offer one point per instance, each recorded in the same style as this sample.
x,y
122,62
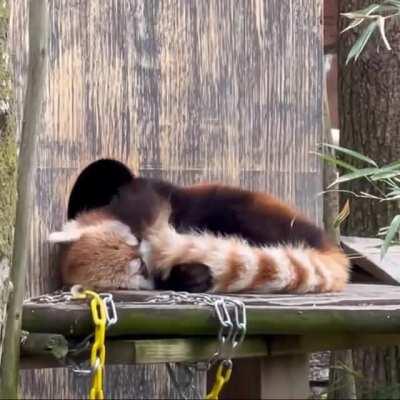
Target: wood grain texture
x,y
190,350
284,377
360,308
366,253
187,90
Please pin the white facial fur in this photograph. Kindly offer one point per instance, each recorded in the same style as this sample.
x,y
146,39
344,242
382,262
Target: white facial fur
x,y
73,231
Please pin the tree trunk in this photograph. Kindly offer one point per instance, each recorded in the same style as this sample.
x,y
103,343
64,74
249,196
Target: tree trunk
x,y
369,104
7,169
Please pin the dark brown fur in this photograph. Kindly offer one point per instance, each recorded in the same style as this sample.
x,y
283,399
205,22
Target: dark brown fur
x,y
257,217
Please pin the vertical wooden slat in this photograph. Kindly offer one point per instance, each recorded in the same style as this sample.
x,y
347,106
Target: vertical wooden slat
x,y
282,377
187,90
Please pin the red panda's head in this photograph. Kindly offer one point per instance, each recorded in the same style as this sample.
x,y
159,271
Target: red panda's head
x,y
100,252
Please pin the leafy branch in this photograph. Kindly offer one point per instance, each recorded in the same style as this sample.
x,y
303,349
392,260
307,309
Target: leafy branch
x,y
374,17
385,179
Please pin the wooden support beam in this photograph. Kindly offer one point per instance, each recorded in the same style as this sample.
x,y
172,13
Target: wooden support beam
x,y
48,351
188,320
42,350
40,344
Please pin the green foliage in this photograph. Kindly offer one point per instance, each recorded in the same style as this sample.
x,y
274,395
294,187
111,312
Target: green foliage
x,y
374,17
8,147
387,176
7,193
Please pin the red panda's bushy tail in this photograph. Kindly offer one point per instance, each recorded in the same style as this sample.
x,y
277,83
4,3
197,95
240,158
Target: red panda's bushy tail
x,y
236,266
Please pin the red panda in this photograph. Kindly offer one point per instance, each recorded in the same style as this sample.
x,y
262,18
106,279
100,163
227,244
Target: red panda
x,y
199,238
100,252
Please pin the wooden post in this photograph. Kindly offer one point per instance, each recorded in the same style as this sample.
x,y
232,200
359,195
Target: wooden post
x,y
283,377
38,34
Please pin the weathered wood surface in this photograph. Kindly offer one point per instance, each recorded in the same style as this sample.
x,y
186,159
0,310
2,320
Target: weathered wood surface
x,y
361,308
366,253
46,350
187,90
284,377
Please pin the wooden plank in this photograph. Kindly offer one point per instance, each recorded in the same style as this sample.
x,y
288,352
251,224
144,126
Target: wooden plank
x,y
365,253
41,344
375,310
145,351
190,320
45,351
354,295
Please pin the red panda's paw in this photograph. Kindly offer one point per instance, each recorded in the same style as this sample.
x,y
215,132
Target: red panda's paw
x,y
190,277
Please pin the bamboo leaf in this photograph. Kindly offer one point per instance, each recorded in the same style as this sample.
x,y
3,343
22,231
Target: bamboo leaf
x,y
394,164
393,198
395,3
395,192
394,228
335,161
370,9
385,175
384,172
351,153
353,24
344,213
381,24
362,12
360,173
360,43
371,196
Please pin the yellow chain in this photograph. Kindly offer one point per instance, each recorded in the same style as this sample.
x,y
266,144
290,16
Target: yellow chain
x,y
98,352
221,378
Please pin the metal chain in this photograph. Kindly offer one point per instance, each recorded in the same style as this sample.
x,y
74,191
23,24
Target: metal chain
x,y
111,319
232,329
57,297
231,334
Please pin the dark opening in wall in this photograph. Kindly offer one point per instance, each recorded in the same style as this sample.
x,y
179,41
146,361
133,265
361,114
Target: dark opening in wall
x,y
97,184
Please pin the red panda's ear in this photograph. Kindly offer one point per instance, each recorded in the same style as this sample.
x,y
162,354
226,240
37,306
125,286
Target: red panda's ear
x,y
70,233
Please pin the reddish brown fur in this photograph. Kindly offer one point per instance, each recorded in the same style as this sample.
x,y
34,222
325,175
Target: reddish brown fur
x,y
234,268
267,271
96,257
259,218
301,273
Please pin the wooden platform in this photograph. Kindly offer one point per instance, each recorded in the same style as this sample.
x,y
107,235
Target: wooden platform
x,y
277,324
361,308
284,327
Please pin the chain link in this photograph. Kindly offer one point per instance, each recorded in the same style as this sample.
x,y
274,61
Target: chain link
x,y
111,312
231,333
56,297
104,315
